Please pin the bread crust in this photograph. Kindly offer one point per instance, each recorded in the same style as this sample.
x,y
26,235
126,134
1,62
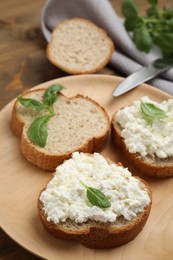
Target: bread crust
x,y
153,167
54,61
44,159
99,235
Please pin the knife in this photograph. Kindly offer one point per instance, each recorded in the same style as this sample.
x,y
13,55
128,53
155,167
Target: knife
x,y
144,74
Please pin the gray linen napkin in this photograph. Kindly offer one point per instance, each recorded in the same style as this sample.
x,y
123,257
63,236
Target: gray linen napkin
x,y
126,58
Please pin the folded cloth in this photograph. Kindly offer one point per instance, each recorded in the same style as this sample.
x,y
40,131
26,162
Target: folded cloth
x,y
126,57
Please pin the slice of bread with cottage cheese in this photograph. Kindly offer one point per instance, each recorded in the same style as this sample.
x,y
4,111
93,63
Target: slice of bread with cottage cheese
x,y
79,124
79,46
67,213
148,146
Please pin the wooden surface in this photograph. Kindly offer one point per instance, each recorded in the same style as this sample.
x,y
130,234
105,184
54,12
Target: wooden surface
x,y
23,64
21,183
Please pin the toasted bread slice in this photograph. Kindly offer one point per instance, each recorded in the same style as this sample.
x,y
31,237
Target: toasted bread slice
x,y
148,165
78,46
80,124
97,234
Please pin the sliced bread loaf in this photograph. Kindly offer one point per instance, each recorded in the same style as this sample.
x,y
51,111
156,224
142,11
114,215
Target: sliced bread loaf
x,y
145,144
79,124
78,46
67,212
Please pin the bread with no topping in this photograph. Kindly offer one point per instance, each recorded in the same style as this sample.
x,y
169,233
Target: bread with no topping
x,y
80,124
96,234
79,46
148,165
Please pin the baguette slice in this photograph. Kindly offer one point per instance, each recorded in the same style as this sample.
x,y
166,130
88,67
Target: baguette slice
x,y
149,166
80,124
96,234
78,46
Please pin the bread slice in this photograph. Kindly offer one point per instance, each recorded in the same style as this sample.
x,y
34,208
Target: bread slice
x,y
148,165
80,124
78,46
97,234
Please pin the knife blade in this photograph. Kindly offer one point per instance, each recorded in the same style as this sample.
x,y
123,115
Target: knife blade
x,y
142,75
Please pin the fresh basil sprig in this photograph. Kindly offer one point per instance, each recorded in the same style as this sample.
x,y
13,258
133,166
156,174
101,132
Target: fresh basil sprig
x,y
49,98
156,27
96,197
37,132
151,112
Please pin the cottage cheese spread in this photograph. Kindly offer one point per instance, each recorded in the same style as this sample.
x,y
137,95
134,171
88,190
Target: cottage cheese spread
x,y
143,137
65,197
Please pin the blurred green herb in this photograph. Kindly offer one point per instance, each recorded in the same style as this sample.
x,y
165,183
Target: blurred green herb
x,y
163,63
156,27
37,132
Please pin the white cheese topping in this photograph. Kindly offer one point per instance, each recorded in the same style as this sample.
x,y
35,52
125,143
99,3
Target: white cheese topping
x,y
65,197
146,138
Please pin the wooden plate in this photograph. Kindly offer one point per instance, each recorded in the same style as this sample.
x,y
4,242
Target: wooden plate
x,y
21,183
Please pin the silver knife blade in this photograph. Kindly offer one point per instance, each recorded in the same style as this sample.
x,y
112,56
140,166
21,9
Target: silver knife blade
x,y
142,75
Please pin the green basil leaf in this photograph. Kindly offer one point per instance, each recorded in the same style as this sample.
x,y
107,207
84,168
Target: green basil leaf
x,y
142,39
168,14
151,112
153,2
96,197
37,132
50,95
165,41
129,8
31,103
152,12
133,22
170,22
162,63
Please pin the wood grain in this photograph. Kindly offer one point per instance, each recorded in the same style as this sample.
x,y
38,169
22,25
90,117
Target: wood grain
x,y
21,183
23,64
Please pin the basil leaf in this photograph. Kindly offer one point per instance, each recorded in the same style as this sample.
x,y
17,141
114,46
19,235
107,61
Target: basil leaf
x,y
162,63
151,112
152,11
133,22
129,8
50,95
153,2
96,197
142,39
37,132
164,41
31,103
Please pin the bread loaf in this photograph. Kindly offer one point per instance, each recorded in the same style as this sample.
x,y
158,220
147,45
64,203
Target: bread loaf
x,y
79,124
78,46
149,146
66,212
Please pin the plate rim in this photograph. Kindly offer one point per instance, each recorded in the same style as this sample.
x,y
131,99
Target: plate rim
x,y
40,85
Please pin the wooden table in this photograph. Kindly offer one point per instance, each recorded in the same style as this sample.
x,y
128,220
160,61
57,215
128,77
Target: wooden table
x,y
23,64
